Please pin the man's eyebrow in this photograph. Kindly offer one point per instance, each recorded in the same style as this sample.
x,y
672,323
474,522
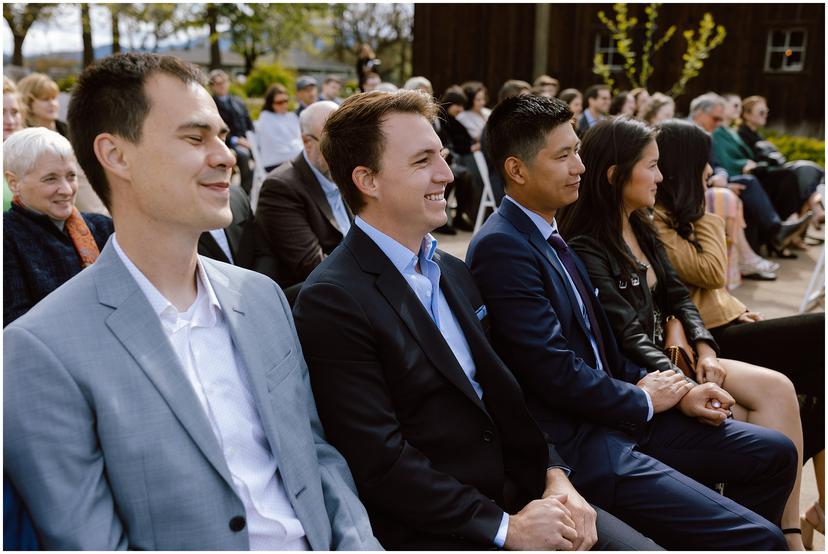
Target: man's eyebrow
x,y
424,151
568,148
202,126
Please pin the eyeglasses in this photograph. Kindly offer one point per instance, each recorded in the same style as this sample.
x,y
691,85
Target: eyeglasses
x,y
311,137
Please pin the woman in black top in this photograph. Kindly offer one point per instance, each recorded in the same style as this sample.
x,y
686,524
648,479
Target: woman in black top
x,y
610,229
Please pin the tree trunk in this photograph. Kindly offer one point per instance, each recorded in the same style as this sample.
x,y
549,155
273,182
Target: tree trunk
x,y
17,55
86,30
212,22
116,31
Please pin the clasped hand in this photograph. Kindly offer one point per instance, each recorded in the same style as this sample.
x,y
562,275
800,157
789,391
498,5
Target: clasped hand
x,y
665,388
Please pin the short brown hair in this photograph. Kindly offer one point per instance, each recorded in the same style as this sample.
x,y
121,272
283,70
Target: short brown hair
x,y
353,134
110,98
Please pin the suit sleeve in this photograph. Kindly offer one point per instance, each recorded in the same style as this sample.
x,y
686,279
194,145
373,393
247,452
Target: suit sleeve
x,y
51,450
354,402
528,335
282,218
350,526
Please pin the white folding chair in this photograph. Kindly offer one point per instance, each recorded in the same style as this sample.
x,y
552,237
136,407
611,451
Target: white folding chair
x,y
258,170
816,286
487,199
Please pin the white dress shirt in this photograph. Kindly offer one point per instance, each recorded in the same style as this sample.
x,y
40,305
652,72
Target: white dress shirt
x,y
201,339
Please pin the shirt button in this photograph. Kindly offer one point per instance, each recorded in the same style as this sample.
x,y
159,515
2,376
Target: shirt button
x,y
487,436
237,524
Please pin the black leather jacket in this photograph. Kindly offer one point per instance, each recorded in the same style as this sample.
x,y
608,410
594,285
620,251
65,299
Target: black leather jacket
x,y
628,301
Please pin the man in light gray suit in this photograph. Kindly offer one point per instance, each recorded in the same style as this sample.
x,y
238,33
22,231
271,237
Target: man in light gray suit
x,y
159,400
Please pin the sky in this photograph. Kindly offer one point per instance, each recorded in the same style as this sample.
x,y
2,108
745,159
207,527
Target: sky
x,y
63,32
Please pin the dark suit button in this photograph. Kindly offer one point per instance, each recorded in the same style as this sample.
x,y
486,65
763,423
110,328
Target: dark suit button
x,y
237,524
488,436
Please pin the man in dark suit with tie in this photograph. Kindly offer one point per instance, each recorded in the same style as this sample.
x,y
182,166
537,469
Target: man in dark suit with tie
x,y
626,434
301,216
234,113
442,447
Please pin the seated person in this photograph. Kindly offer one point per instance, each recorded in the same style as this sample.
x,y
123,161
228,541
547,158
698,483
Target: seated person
x,y
301,216
235,115
694,243
441,445
631,452
809,174
46,240
609,229
277,129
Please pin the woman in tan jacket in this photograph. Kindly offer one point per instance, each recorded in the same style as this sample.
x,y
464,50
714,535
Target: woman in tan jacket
x,y
695,244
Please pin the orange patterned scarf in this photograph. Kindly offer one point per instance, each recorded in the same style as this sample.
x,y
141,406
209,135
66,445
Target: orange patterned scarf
x,y
79,233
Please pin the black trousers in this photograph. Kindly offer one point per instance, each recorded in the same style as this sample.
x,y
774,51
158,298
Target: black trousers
x,y
793,346
782,187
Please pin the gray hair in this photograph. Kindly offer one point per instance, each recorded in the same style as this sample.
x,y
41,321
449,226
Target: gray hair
x,y
312,115
216,74
416,83
705,103
23,149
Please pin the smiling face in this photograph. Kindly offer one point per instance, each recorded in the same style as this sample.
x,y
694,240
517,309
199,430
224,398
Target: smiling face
x,y
12,119
577,105
178,175
551,179
407,199
628,109
601,103
50,187
640,191
479,101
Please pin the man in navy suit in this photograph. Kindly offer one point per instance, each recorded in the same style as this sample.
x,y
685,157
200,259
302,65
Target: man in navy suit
x,y
626,434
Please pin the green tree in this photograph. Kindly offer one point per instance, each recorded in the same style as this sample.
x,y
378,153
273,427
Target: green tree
x,y
20,18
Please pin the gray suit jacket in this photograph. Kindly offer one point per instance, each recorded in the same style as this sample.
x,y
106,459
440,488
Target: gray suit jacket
x,y
108,445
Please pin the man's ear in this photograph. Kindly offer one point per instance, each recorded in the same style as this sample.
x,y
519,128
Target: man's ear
x,y
110,153
364,180
515,170
611,174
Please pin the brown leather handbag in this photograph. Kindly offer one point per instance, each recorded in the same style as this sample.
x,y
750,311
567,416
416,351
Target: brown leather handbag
x,y
677,347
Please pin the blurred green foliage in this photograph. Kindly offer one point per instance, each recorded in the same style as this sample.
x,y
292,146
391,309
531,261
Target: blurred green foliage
x,y
66,84
798,148
265,75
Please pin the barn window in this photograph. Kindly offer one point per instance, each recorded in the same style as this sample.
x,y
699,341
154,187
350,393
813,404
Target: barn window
x,y
786,50
605,45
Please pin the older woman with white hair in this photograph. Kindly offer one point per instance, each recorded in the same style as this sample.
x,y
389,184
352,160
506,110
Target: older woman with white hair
x,y
46,240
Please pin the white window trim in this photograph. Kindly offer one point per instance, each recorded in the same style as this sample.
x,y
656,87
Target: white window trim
x,y
770,49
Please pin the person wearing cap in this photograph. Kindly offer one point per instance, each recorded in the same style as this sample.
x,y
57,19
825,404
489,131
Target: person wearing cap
x,y
234,113
330,89
305,92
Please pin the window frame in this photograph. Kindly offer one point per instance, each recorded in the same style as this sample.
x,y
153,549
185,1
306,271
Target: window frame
x,y
770,49
609,53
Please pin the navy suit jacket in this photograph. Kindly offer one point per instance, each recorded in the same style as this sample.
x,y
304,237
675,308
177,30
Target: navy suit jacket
x,y
538,330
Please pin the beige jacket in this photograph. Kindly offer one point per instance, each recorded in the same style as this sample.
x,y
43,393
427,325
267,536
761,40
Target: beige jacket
x,y
704,272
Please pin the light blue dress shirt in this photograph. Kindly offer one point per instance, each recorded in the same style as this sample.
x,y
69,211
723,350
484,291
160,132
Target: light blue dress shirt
x,y
546,231
333,196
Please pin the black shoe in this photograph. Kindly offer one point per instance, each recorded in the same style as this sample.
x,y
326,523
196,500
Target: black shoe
x,y
760,276
445,230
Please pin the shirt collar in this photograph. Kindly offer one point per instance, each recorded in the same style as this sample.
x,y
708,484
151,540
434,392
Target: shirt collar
x,y
543,226
162,307
328,186
400,256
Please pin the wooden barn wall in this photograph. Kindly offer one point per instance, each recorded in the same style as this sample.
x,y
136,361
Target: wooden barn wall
x,y
495,42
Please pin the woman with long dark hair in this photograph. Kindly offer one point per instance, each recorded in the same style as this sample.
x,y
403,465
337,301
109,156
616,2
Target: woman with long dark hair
x,y
611,230
694,242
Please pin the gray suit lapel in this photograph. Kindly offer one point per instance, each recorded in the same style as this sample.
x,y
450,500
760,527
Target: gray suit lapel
x,y
138,328
256,351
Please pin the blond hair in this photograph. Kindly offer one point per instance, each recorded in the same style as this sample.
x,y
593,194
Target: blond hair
x,y
35,86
